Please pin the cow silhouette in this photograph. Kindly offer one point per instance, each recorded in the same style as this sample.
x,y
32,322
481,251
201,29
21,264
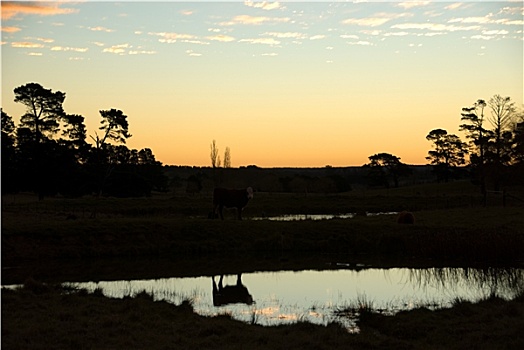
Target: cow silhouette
x,y
230,294
223,197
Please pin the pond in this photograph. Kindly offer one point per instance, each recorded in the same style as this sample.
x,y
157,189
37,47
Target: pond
x,y
314,217
317,296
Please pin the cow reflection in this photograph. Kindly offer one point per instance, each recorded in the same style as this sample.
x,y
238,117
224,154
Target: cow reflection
x,y
230,294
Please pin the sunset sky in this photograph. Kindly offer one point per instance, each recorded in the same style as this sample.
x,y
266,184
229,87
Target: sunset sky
x,y
280,83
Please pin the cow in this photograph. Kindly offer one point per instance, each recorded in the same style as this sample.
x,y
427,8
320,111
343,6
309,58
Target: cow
x,y
223,197
406,217
232,294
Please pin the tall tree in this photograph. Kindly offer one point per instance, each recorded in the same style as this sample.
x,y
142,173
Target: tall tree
x,y
215,158
473,126
448,152
43,109
227,158
8,157
115,127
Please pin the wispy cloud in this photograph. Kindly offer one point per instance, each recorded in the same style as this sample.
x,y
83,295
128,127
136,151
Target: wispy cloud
x,y
101,29
376,20
434,27
265,41
317,37
26,45
367,22
67,48
191,53
11,9
221,37
265,5
361,43
141,52
171,37
286,35
117,49
411,4
10,29
254,20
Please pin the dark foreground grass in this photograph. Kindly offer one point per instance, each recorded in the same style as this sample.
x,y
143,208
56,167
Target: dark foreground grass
x,y
46,317
493,234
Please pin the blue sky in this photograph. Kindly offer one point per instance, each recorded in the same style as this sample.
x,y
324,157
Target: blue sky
x,y
280,83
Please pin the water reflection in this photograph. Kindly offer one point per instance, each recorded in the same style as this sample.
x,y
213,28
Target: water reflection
x,y
314,217
230,294
284,297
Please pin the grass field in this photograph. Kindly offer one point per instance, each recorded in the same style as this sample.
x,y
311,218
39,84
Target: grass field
x,y
451,225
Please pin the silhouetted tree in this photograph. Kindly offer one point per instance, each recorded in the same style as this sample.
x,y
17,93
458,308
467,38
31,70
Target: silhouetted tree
x,y
449,152
115,127
383,166
43,109
502,119
227,158
9,178
473,118
35,137
215,158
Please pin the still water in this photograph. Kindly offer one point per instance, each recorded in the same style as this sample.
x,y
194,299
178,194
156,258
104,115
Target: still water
x,y
315,217
273,298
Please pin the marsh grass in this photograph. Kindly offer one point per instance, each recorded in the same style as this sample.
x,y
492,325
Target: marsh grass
x,y
38,316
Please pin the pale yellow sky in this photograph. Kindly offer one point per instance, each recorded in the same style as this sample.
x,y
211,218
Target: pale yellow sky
x,y
291,84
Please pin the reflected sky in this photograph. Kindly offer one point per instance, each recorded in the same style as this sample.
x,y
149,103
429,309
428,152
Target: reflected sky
x,y
287,296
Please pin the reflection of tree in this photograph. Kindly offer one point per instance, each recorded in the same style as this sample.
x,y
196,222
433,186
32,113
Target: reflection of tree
x,y
502,282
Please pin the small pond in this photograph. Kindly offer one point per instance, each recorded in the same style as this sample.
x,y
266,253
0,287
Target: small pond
x,y
273,298
314,217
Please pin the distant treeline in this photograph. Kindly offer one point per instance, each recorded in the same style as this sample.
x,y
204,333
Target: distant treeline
x,y
48,153
193,180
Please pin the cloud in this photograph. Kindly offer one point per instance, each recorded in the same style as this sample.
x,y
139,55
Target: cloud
x,y
11,9
361,42
170,38
101,29
10,29
193,54
75,49
468,20
286,35
396,34
434,27
367,22
252,20
117,49
26,45
265,41
349,36
376,20
495,32
186,12
141,52
454,6
411,4
317,37
265,5
221,38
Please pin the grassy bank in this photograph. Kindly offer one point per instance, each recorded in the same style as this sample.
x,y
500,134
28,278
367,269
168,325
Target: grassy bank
x,y
473,234
43,317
